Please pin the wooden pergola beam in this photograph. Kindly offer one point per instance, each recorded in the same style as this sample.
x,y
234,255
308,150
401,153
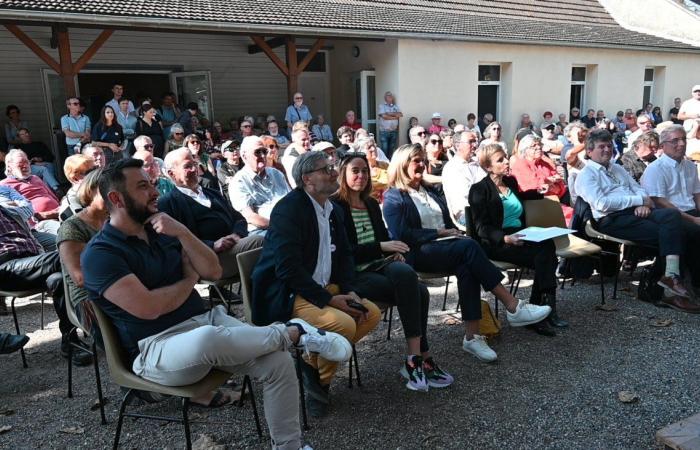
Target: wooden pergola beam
x,y
272,43
90,51
260,42
309,56
34,47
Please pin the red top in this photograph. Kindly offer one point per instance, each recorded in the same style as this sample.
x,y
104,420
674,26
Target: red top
x,y
36,191
354,125
531,175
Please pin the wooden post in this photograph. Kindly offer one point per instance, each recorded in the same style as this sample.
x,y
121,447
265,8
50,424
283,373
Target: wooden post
x,y
293,68
65,60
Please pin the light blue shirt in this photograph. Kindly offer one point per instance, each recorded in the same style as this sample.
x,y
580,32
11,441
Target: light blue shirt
x,y
81,124
295,114
23,207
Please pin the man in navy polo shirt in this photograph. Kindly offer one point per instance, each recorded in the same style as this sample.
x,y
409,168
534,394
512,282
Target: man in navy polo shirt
x,y
141,270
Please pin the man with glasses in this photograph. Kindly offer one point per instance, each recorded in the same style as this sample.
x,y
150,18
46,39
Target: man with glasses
x,y
690,109
418,135
623,209
205,212
75,126
297,111
256,188
273,130
306,271
246,129
301,143
644,124
460,173
672,182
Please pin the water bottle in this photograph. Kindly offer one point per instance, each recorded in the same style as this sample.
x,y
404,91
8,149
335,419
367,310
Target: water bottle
x,y
76,149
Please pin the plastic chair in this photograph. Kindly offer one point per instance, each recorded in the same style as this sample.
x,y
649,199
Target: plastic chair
x,y
124,377
14,295
547,213
72,316
217,285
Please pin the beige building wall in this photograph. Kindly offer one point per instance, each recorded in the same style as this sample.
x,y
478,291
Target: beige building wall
x,y
442,76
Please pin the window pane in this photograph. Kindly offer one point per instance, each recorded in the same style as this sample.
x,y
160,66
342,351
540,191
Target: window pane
x,y
648,74
578,74
488,101
576,98
371,103
646,98
489,73
317,64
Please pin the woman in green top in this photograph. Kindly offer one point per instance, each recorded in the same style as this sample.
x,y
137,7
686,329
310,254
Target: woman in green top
x,y
497,215
383,275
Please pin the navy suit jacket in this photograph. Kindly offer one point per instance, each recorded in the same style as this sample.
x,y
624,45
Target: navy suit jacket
x,y
403,220
289,258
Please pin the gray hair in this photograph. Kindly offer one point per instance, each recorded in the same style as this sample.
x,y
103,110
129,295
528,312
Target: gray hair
x,y
489,128
527,142
665,134
88,147
457,138
572,125
172,155
142,140
306,163
361,144
11,155
176,127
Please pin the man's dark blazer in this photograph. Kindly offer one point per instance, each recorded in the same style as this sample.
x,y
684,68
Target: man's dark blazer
x,y
289,258
180,207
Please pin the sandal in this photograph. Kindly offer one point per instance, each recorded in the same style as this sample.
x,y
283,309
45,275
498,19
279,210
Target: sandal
x,y
217,401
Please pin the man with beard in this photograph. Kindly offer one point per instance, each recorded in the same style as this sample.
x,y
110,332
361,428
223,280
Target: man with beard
x,y
140,270
205,212
306,271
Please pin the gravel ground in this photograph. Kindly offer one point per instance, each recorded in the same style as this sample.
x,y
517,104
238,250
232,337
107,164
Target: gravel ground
x,y
543,392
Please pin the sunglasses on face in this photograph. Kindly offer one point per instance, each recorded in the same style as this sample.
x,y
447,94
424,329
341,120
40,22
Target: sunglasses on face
x,y
436,141
260,152
195,143
421,133
298,98
245,126
74,103
273,146
149,146
178,134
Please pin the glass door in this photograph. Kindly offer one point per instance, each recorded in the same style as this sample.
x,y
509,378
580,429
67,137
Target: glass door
x,y
194,87
365,100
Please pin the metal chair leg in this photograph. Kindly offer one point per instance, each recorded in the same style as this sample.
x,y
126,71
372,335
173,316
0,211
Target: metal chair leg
x,y
302,402
247,382
350,368
42,310
98,383
72,332
447,286
388,328
357,367
120,421
186,422
14,317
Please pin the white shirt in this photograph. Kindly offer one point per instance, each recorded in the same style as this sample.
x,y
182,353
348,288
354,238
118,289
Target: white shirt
x,y
609,189
676,182
322,272
115,105
690,106
428,209
458,176
260,193
633,137
198,195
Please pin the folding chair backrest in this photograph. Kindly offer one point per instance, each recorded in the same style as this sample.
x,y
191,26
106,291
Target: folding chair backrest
x,y
72,316
115,354
246,263
544,213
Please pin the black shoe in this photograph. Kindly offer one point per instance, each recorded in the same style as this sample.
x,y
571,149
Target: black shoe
x,y
541,328
553,319
10,343
229,296
80,357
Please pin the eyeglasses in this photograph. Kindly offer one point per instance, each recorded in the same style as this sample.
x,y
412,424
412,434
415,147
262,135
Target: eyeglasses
x,y
149,146
273,146
329,169
260,152
675,141
245,126
178,134
196,142
74,103
298,98
436,141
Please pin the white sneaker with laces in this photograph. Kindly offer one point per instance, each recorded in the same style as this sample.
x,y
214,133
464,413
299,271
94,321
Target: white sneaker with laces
x,y
527,314
328,345
478,347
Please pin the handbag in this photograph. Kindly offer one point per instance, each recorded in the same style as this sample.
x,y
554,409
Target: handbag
x,y
489,325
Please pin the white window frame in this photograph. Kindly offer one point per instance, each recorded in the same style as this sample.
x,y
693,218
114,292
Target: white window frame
x,y
492,83
581,83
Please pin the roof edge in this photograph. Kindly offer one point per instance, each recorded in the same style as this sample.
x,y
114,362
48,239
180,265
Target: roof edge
x,y
112,21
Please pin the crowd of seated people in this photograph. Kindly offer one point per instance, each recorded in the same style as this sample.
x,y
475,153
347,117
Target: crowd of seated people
x,y
159,201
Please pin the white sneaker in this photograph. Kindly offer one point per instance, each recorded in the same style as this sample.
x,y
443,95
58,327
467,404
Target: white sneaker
x,y
527,314
478,347
328,345
306,447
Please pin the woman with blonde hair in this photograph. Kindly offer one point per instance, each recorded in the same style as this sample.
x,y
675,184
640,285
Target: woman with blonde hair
x,y
418,216
493,134
75,167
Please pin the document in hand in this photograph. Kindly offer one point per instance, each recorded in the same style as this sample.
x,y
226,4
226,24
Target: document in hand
x,y
539,234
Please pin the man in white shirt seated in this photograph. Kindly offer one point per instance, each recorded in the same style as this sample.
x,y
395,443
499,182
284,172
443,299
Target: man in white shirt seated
x,y
256,189
623,209
301,143
672,182
460,173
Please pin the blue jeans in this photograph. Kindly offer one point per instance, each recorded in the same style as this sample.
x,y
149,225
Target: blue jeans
x,y
662,229
388,141
47,172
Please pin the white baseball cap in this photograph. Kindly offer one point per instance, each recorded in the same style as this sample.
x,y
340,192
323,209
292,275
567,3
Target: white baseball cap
x,y
436,115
